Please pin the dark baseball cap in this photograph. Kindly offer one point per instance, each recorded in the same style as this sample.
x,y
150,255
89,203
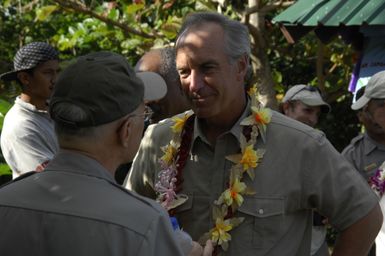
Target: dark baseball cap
x,y
105,86
28,57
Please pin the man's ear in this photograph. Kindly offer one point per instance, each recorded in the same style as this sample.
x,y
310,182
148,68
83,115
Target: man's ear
x,y
124,132
242,65
285,107
24,78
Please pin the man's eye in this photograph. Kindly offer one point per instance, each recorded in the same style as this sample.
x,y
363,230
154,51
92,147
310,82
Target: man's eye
x,y
183,73
207,68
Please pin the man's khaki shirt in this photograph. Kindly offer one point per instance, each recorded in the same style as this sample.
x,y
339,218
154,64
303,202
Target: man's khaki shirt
x,y
75,208
300,171
365,154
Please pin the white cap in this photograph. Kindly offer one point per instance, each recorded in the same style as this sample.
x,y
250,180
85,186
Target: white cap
x,y
307,95
156,86
375,89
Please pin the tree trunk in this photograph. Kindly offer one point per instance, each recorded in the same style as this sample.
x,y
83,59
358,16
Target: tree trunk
x,y
260,61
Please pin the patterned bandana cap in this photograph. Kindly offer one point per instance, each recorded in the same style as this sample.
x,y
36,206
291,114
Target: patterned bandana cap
x,y
28,57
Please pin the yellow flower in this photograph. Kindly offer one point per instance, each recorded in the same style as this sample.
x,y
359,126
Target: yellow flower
x,y
219,234
169,152
249,158
179,123
234,193
252,91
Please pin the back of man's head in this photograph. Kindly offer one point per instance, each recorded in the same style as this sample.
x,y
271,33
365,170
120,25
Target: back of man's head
x,y
99,88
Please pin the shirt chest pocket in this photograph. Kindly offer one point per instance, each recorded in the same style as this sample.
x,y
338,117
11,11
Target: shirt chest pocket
x,y
264,218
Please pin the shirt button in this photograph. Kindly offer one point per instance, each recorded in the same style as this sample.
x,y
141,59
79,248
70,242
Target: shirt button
x,y
260,211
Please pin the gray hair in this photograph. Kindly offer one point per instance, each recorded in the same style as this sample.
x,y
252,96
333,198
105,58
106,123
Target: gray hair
x,y
70,113
236,34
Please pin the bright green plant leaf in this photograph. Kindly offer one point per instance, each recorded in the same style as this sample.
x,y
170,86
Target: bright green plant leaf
x,y
44,12
5,170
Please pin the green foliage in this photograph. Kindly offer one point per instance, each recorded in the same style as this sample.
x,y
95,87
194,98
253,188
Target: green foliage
x,y
5,170
4,107
133,27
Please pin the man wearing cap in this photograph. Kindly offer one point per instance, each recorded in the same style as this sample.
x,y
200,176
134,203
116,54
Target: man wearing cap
x,y
174,101
75,207
304,103
28,139
162,61
367,151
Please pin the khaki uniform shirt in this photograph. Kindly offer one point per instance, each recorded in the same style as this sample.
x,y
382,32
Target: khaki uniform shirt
x,y
300,171
75,208
365,154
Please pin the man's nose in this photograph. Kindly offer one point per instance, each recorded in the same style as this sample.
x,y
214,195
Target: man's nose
x,y
196,81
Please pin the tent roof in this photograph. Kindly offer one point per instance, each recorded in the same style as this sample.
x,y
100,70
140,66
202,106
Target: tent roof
x,y
330,17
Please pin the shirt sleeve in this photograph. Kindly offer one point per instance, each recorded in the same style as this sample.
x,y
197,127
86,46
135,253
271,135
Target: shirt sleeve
x,y
160,239
142,176
334,187
24,153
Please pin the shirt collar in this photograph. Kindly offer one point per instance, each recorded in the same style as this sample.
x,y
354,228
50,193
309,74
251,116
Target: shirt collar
x,y
75,162
370,144
235,130
28,106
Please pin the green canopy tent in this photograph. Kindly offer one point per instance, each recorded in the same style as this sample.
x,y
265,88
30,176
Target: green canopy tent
x,y
358,22
328,18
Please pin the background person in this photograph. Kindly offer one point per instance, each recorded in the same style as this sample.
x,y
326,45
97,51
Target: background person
x,y
28,139
367,150
305,104
74,207
367,153
160,61
235,184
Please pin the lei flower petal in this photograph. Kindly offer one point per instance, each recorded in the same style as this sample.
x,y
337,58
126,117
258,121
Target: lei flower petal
x,y
260,117
169,152
179,123
232,198
219,234
377,181
249,158
252,92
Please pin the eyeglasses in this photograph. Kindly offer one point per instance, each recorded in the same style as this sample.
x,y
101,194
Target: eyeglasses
x,y
146,114
306,88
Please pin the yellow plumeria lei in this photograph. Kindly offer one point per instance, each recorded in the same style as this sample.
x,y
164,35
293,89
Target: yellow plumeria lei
x,y
232,198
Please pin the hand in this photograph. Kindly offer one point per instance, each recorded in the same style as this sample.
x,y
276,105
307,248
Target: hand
x,y
209,248
197,249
